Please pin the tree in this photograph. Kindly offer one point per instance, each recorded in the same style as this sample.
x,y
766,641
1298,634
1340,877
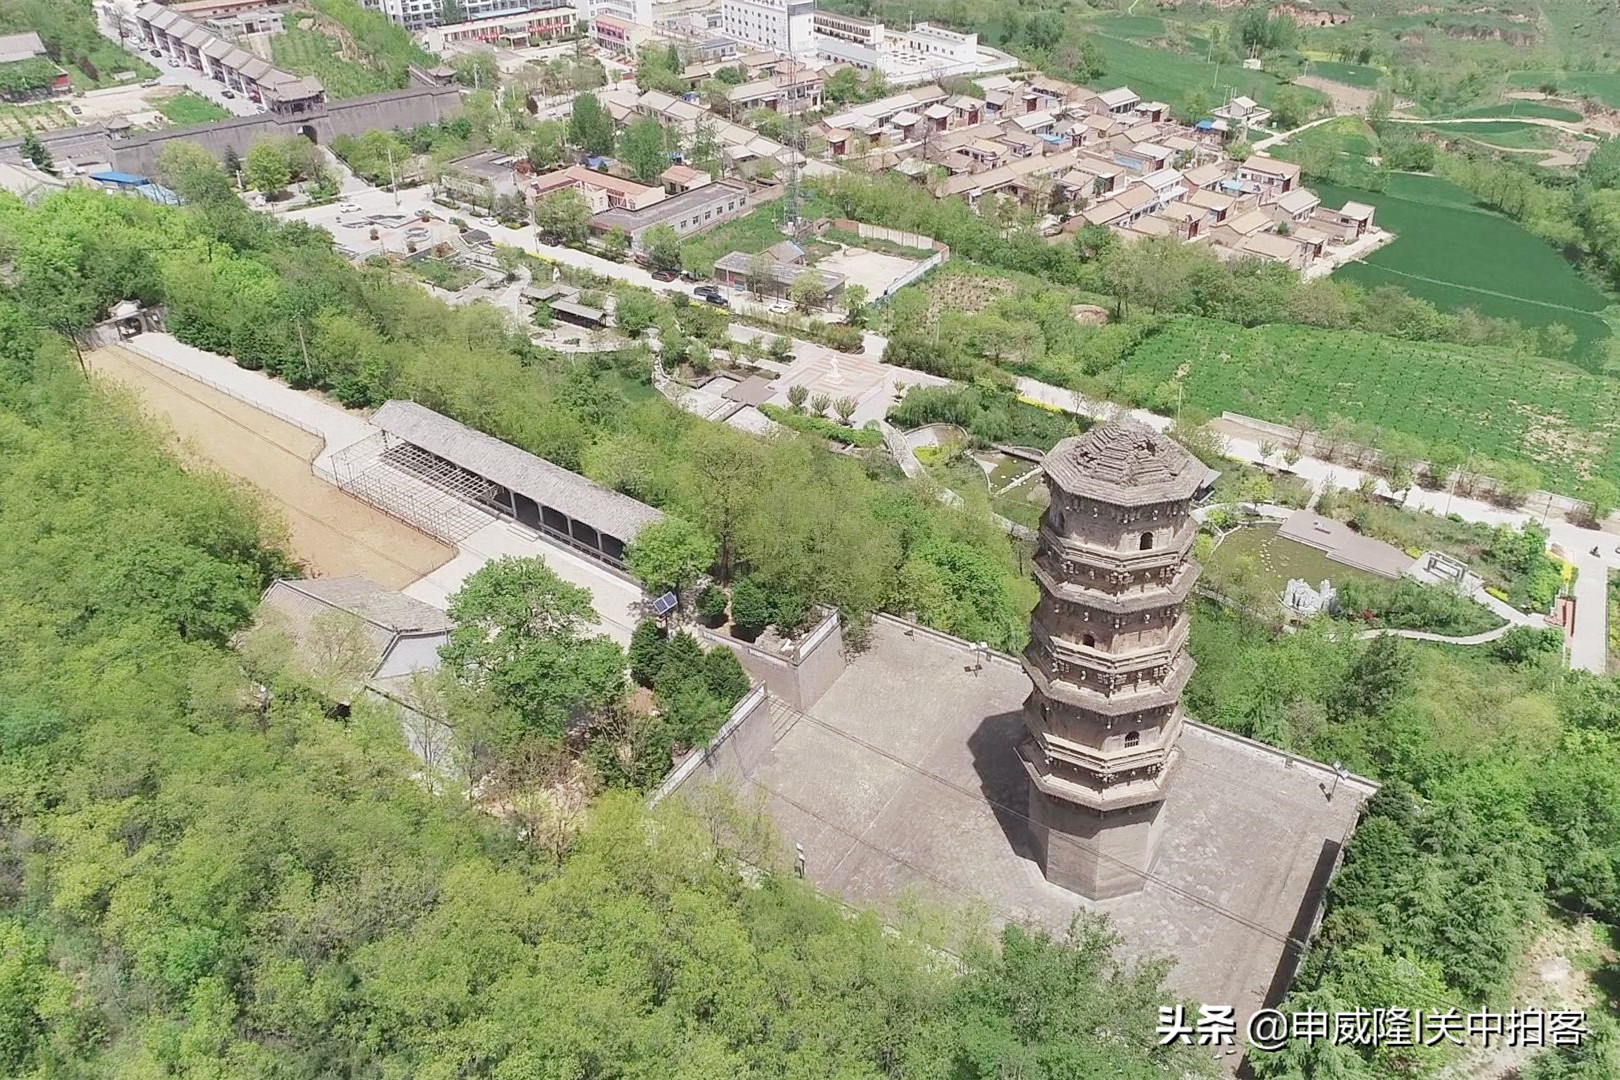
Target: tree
x,y
843,86
452,12
590,127
267,169
520,639
758,274
546,144
797,396
646,653
34,150
663,247
192,173
1289,107
1600,497
751,609
807,292
616,244
1381,674
478,69
644,147
854,300
671,554
564,214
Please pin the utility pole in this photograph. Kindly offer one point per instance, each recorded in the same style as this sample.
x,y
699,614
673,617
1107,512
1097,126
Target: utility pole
x,y
393,180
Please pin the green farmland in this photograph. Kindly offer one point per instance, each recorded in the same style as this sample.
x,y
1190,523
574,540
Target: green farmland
x,y
1536,109
1555,416
1162,75
1602,85
1455,255
1506,134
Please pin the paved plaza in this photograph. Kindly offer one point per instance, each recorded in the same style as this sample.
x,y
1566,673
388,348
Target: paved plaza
x,y
903,779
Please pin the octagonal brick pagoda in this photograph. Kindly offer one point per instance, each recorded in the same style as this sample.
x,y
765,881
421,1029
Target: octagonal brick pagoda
x,y
1108,653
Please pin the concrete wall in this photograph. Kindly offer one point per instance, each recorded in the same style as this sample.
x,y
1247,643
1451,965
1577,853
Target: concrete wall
x,y
734,751
139,153
799,677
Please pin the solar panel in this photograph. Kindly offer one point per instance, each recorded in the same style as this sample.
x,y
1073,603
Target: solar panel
x,y
665,604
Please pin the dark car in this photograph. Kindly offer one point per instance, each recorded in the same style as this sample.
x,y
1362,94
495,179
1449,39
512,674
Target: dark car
x,y
706,290
714,298
664,275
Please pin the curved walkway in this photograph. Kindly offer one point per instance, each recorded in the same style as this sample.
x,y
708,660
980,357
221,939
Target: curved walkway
x,y
1423,635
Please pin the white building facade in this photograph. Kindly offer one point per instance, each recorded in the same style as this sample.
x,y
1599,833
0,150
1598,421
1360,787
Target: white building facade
x,y
422,14
783,26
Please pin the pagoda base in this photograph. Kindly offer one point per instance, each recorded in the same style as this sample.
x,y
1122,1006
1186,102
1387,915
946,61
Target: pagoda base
x,y
1097,853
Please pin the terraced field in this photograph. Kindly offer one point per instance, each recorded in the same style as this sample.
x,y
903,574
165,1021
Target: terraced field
x,y
310,52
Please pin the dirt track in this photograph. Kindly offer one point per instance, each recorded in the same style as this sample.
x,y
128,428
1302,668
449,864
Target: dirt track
x,y
330,532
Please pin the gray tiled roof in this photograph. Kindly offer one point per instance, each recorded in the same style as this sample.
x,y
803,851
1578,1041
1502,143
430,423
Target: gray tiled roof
x,y
1125,463
517,470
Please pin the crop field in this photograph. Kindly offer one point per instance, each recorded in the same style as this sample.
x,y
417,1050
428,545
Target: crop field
x,y
1135,27
15,120
310,52
1602,85
1500,404
1158,74
1455,255
1508,134
189,108
1536,109
1367,78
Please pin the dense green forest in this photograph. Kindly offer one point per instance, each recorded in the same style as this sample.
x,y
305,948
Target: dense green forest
x,y
1500,809
198,880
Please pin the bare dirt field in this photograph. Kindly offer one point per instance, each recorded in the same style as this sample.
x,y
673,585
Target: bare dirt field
x,y
331,533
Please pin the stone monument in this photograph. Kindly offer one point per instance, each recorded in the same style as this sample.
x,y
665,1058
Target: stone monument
x,y
1108,654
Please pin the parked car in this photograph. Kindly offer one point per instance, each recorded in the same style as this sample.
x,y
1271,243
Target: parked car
x,y
716,299
227,94
348,208
75,110
664,275
706,290
157,53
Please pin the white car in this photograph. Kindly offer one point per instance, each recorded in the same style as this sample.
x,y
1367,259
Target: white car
x,y
489,221
348,208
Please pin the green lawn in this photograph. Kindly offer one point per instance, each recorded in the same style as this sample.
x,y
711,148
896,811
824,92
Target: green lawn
x,y
1602,85
310,52
1158,74
1280,560
1456,255
1360,75
189,108
1501,404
